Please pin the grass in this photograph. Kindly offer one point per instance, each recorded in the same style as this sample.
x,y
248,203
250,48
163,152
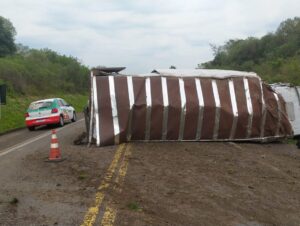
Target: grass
x,y
134,206
291,141
82,176
12,114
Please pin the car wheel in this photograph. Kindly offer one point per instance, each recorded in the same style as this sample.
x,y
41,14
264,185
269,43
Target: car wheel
x,y
61,121
74,117
31,128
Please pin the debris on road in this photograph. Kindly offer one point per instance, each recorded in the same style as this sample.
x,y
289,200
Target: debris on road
x,y
81,139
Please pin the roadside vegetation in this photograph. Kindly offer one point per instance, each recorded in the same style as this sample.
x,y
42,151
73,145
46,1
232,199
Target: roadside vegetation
x,y
32,74
40,72
275,56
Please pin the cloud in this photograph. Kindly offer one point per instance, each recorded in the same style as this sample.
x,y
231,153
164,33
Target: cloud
x,y
142,34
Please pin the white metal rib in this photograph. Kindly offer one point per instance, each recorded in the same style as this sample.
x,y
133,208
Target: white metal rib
x,y
131,106
279,113
201,108
166,107
114,109
249,107
183,108
96,111
234,109
218,106
149,105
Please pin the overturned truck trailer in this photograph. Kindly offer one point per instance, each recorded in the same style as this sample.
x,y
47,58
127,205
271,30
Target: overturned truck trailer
x,y
184,105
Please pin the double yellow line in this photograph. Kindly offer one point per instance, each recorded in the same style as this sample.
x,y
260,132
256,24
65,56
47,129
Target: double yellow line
x,y
110,213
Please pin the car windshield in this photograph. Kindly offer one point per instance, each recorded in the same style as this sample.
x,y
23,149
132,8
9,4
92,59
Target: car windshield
x,y
39,105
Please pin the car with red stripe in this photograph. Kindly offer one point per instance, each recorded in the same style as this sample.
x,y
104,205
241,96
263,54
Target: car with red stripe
x,y
49,111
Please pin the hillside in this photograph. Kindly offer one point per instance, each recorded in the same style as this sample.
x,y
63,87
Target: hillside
x,y
32,74
275,56
40,72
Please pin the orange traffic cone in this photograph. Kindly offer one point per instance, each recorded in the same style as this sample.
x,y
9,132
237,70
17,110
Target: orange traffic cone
x,y
54,155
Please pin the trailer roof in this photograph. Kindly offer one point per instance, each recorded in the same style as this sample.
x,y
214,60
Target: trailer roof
x,y
204,73
210,73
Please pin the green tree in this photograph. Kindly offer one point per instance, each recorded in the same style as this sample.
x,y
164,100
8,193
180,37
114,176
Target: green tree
x,y
7,37
275,56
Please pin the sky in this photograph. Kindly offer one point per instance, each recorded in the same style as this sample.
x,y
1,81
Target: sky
x,y
142,35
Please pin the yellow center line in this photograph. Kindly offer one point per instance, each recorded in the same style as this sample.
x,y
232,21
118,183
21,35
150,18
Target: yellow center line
x,y
110,212
123,168
93,211
109,216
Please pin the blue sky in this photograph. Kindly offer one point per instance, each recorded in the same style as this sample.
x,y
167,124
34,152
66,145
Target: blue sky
x,y
139,34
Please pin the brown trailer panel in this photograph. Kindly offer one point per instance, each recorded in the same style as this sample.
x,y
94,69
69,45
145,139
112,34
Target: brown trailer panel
x,y
176,106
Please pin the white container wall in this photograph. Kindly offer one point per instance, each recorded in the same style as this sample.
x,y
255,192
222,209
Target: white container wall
x,y
292,99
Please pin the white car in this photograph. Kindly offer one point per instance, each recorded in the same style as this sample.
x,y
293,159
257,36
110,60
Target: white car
x,y
49,111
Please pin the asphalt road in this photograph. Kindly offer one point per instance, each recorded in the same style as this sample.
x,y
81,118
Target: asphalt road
x,y
146,183
25,140
34,191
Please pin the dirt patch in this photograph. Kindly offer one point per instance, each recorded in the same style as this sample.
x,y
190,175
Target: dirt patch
x,y
210,184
